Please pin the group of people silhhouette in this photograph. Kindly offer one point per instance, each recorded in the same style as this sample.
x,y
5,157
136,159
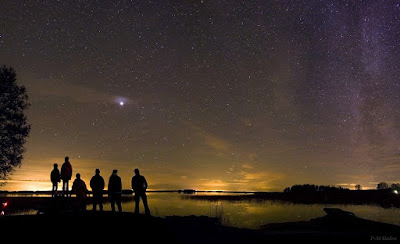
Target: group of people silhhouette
x,y
139,186
65,176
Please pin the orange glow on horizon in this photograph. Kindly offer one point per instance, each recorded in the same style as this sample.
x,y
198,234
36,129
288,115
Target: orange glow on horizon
x,y
35,176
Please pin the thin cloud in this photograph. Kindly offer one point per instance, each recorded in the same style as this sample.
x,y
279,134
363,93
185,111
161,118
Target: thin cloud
x,y
218,144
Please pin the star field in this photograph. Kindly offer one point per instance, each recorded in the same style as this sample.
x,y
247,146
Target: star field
x,y
231,95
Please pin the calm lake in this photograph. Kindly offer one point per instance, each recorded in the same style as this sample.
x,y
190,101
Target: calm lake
x,y
248,214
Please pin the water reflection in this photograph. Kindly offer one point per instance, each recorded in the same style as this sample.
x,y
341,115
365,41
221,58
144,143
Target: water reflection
x,y
253,214
247,214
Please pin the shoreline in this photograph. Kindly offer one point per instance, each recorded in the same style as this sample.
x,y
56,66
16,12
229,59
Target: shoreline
x,y
56,208
56,216
384,199
98,226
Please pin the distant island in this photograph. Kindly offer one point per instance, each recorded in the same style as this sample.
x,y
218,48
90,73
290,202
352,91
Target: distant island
x,y
395,187
385,196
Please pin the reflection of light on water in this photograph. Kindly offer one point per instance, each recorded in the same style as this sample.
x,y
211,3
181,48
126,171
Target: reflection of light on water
x,y
247,214
3,205
253,214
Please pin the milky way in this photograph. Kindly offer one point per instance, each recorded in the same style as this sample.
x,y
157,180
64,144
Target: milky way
x,y
252,95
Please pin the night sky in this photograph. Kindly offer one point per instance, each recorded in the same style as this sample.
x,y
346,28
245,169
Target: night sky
x,y
210,95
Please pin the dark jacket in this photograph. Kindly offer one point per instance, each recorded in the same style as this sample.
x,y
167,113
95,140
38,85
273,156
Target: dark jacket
x,y
66,171
114,185
139,183
97,183
79,188
55,176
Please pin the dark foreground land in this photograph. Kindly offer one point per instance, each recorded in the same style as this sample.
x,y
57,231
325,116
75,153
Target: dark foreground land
x,y
104,227
58,223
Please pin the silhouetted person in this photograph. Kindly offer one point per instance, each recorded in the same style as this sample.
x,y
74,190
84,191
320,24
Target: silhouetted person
x,y
66,174
55,177
139,186
79,188
97,185
115,190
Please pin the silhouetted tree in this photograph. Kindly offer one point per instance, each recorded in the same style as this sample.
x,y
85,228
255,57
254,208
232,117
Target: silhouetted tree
x,y
395,186
358,187
314,188
13,125
382,186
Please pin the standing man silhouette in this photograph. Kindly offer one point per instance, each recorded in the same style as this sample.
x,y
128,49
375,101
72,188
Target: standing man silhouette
x,y
97,185
139,186
55,177
66,174
115,190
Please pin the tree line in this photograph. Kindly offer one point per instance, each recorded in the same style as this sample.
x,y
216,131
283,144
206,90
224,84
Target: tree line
x,y
314,188
385,186
323,188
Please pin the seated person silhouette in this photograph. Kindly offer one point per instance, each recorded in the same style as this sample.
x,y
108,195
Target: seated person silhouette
x,y
80,189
